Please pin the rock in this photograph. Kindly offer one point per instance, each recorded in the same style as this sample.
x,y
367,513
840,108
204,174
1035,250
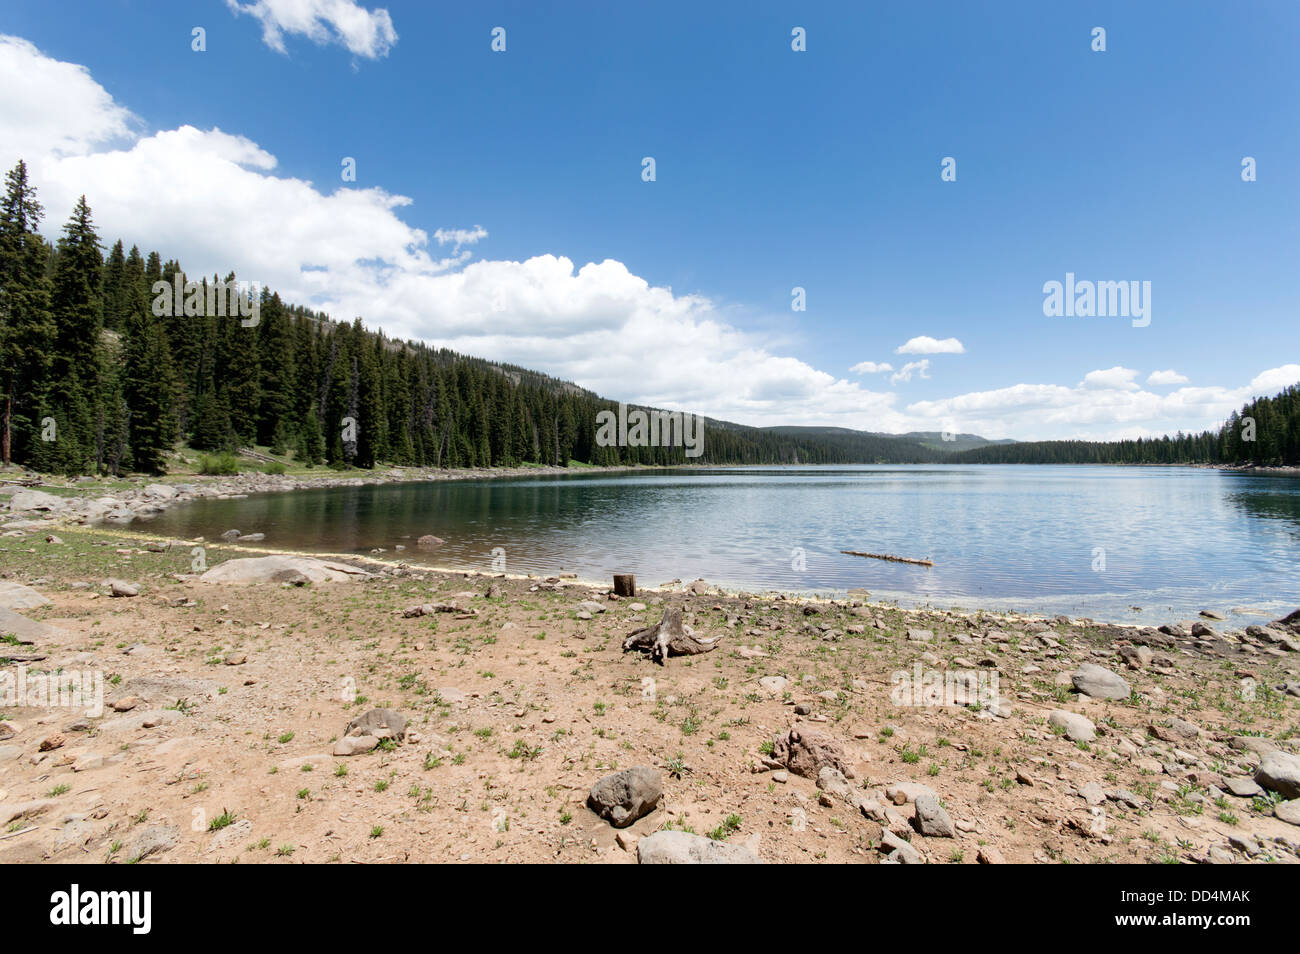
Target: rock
x,y
1280,772
988,855
1242,787
1092,793
1178,731
36,500
52,742
931,819
1099,683
804,751
1078,728
626,840
900,793
625,796
252,537
683,848
774,684
125,704
27,630
1288,811
429,540
122,588
15,596
1211,614
1253,743
380,723
236,659
920,635
276,569
1136,657
160,491
154,840
900,851
8,728
355,744
230,536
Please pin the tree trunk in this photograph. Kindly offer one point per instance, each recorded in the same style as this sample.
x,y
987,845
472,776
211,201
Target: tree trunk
x,y
669,637
625,584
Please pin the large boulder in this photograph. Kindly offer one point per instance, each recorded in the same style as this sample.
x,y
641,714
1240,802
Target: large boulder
x,y
1099,682
625,796
805,751
282,569
683,848
36,500
15,596
1280,772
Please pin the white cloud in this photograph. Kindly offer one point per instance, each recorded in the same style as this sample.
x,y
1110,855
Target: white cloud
x,y
214,200
924,344
1165,378
1116,377
905,372
365,33
871,367
459,237
1050,411
51,108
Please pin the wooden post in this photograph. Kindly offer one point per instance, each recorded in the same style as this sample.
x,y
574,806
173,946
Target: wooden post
x,y
624,584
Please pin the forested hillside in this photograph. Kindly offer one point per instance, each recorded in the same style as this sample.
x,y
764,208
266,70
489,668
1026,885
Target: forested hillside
x,y
95,382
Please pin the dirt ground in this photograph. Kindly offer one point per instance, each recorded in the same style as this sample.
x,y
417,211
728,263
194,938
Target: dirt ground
x,y
518,706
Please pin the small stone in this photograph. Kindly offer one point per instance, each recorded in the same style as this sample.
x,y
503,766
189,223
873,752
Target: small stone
x,y
52,742
1077,728
126,704
931,819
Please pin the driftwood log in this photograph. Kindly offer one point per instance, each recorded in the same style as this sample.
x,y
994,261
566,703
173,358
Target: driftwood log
x,y
669,637
625,584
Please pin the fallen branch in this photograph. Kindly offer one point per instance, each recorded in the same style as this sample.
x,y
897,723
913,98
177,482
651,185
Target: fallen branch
x,y
669,637
886,556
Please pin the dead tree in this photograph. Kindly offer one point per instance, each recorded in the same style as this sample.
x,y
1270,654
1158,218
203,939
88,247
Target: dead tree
x,y
669,637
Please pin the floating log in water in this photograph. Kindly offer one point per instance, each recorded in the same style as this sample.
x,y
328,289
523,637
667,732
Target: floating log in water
x,y
886,556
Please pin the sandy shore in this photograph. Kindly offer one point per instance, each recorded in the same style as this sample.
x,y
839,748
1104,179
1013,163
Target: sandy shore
x,y
224,705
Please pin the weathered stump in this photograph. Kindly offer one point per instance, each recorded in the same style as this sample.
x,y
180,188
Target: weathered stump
x,y
669,637
624,584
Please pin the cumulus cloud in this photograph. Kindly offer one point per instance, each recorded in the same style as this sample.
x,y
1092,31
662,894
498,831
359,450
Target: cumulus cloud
x,y
924,344
217,201
1165,378
363,32
1116,377
1043,411
904,373
51,108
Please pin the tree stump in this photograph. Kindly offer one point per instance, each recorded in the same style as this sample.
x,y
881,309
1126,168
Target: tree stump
x,y
669,637
624,584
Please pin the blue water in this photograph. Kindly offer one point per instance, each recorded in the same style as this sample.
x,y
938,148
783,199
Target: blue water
x,y
1090,541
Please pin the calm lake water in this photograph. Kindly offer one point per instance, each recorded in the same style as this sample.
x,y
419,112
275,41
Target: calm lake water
x,y
1089,541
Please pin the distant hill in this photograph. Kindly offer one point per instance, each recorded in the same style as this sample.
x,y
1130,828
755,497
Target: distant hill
x,y
929,440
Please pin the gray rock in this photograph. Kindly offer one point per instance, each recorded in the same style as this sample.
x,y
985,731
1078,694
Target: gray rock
x,y
36,500
122,588
920,635
1242,787
900,850
15,596
1280,772
1289,812
1092,793
276,569
154,840
355,745
683,848
625,796
230,536
1078,728
931,819
1099,683
381,723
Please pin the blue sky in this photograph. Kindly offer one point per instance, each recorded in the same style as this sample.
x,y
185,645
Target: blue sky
x,y
774,169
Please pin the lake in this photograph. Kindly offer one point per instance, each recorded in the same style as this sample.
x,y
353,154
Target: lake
x,y
1146,544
